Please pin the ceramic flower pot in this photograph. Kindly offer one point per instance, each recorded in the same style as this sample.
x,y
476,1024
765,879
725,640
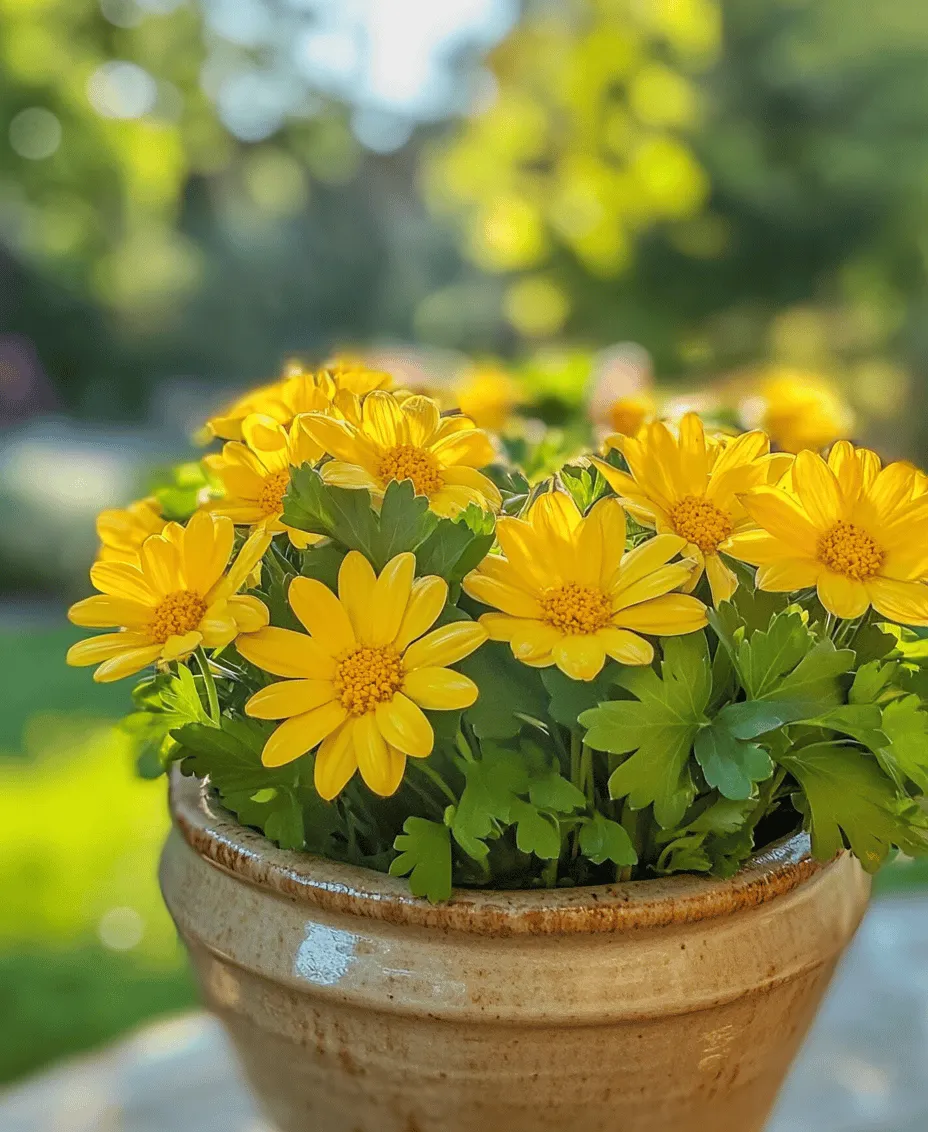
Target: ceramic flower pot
x,y
662,1006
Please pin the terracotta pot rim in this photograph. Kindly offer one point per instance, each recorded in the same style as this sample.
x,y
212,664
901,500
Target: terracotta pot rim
x,y
215,834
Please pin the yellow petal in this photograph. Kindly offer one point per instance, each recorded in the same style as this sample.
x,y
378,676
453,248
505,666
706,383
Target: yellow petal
x,y
626,647
483,490
381,766
426,601
440,689
818,490
744,449
382,420
289,697
491,591
323,615
389,599
645,559
892,487
207,548
243,567
339,438
667,616
758,548
903,602
659,581
782,517
181,645
523,548
842,596
422,417
94,650
126,664
580,657
403,726
555,516
445,646
339,474
249,612
160,561
356,579
609,515
788,575
218,625
122,579
283,652
104,612
268,438
470,447
336,762
722,581
301,733
694,461
532,641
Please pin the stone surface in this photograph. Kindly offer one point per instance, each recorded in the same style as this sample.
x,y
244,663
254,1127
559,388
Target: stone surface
x,y
864,1068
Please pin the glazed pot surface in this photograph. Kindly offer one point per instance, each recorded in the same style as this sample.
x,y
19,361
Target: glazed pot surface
x,y
658,1006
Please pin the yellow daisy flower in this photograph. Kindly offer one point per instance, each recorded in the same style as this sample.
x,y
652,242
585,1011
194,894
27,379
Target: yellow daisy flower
x,y
399,439
255,473
848,527
489,396
123,530
298,391
571,596
689,485
178,597
355,687
799,410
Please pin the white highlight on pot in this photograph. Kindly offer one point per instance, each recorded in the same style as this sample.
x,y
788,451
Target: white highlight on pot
x,y
325,955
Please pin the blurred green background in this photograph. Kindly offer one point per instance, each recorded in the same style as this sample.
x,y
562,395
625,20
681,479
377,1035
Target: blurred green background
x,y
191,191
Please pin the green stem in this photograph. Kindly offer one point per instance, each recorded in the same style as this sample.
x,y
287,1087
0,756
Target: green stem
x,y
211,694
436,779
588,783
549,873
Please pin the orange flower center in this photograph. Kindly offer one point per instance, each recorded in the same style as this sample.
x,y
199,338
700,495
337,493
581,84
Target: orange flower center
x,y
700,522
573,608
179,613
407,462
271,499
368,676
849,550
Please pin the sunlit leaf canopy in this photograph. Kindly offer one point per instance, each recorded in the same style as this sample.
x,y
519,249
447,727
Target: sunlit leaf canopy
x,y
583,145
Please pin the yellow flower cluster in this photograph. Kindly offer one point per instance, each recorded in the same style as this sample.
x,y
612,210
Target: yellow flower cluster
x,y
561,588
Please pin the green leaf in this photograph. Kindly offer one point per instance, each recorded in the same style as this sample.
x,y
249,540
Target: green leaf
x,y
905,755
731,765
550,790
167,702
424,850
323,563
453,549
750,718
570,698
536,831
343,514
769,654
870,642
506,687
871,680
851,801
814,680
602,839
405,522
862,722
493,785
659,727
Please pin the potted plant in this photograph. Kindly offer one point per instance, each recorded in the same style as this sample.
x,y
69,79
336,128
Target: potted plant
x,y
518,805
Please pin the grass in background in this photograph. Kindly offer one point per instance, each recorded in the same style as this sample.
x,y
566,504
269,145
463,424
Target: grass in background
x,y
87,949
